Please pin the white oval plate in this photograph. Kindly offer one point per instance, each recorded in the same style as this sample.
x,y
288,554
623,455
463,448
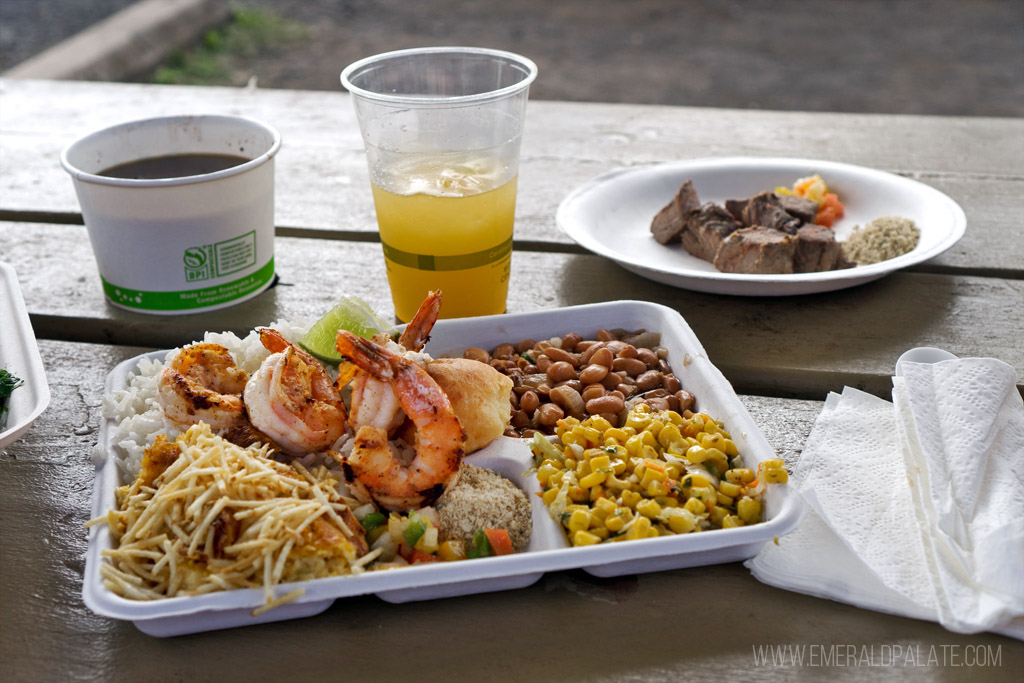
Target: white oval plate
x,y
19,355
611,216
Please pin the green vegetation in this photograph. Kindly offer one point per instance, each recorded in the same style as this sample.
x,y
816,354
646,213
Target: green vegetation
x,y
225,55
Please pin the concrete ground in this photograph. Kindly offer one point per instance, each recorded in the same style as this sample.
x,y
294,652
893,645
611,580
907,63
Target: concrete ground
x,y
945,57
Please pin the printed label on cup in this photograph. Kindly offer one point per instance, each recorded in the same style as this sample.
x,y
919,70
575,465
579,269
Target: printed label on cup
x,y
448,262
193,298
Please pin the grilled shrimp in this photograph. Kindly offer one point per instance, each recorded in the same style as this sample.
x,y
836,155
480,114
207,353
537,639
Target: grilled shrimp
x,y
292,400
437,438
374,402
203,384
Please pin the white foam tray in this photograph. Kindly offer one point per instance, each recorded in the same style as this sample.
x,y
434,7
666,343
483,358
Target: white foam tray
x,y
548,549
19,355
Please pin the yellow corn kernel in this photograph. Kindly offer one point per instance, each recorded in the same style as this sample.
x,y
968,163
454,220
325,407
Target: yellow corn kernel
x,y
601,532
633,445
597,422
730,489
613,482
593,479
630,498
600,462
651,475
592,435
579,520
639,529
655,427
674,417
718,458
585,538
695,506
615,522
696,454
669,435
695,481
570,463
717,514
569,438
740,475
673,471
582,468
731,521
776,475
724,500
729,447
619,435
749,510
545,471
606,506
711,440
619,465
578,494
682,521
637,420
549,496
704,494
648,440
656,488
450,551
773,463
648,508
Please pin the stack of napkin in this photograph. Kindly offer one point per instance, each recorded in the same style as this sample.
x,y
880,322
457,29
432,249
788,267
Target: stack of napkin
x,y
915,507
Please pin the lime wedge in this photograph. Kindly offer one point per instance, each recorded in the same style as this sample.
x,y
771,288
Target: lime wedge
x,y
350,313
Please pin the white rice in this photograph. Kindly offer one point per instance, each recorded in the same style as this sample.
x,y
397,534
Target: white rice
x,y
136,417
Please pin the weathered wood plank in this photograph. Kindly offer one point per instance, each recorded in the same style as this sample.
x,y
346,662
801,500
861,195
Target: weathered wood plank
x,y
45,488
786,346
322,181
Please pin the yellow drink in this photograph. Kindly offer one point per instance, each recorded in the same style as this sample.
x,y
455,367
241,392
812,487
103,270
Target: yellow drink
x,y
447,226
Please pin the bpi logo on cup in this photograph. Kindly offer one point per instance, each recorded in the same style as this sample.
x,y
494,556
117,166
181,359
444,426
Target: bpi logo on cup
x,y
221,258
198,262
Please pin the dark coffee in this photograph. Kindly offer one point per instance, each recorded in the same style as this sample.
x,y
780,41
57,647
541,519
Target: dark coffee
x,y
173,166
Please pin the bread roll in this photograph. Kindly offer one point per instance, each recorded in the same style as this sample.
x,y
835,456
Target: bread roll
x,y
479,395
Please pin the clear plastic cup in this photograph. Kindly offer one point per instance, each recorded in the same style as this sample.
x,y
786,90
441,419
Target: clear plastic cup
x,y
442,128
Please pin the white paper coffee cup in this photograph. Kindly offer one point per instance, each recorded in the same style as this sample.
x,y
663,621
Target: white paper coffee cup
x,y
179,245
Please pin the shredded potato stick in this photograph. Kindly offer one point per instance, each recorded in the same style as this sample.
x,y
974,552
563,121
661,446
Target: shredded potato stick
x,y
222,517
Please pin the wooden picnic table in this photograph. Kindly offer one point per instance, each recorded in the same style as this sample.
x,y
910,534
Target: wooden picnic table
x,y
783,355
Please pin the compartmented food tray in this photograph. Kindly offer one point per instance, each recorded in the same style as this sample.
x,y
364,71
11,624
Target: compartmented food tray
x,y
548,549
19,355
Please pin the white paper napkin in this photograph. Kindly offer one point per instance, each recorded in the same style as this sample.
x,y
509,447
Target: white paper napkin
x,y
915,507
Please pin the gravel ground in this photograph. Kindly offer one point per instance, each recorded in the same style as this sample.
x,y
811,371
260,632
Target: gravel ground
x,y
947,57
895,56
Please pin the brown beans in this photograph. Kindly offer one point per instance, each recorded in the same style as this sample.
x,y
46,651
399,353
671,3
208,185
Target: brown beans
x,y
558,355
604,375
650,358
648,380
603,356
504,351
548,414
474,353
593,391
631,366
561,371
609,403
686,399
593,373
529,401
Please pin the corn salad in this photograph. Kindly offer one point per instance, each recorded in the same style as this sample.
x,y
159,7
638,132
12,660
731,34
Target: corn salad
x,y
660,473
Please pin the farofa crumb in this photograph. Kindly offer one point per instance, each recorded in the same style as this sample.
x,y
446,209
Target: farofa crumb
x,y
882,239
482,499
